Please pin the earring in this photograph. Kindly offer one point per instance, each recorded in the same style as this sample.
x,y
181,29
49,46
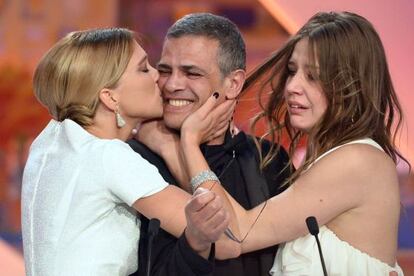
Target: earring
x,y
120,122
231,127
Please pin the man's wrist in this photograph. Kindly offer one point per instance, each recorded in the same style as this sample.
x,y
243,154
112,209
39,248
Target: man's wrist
x,y
200,247
199,265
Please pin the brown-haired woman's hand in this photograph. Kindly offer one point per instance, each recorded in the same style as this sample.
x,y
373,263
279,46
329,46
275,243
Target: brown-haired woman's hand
x,y
210,121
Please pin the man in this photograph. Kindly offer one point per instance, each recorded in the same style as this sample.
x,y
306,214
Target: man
x,y
202,54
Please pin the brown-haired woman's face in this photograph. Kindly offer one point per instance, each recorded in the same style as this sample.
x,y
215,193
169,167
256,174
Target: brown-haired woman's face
x,y
139,95
306,102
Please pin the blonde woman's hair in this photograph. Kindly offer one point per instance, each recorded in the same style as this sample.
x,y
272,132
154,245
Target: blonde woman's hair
x,y
70,75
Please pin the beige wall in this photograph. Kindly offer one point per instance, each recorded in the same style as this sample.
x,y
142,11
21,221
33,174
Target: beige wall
x,y
29,27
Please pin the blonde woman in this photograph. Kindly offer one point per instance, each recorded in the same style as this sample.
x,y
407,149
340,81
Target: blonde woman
x,y
82,184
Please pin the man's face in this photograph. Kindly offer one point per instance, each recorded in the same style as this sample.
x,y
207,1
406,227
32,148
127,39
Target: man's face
x,y
189,74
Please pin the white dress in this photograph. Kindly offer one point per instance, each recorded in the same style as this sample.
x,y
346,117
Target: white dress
x,y
77,194
301,257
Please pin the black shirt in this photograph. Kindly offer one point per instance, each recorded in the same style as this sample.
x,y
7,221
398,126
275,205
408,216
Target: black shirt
x,y
236,163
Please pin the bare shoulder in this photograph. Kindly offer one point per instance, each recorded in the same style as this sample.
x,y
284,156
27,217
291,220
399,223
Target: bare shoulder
x,y
360,163
363,157
349,178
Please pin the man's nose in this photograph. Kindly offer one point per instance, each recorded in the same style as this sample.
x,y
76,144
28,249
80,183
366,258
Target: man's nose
x,y
174,82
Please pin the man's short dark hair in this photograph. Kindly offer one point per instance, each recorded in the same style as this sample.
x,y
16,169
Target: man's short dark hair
x,y
232,50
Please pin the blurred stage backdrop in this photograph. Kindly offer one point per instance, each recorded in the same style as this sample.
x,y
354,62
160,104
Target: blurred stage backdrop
x,y
29,27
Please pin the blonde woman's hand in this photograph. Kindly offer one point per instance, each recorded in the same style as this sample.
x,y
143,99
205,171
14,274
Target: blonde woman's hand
x,y
210,121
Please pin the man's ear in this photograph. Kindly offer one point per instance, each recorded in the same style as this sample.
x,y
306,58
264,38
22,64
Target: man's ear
x,y
235,83
108,99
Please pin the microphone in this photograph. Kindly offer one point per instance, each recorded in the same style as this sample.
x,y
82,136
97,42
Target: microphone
x,y
153,227
314,230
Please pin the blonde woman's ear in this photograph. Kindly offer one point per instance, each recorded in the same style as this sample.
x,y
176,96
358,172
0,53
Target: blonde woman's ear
x,y
107,98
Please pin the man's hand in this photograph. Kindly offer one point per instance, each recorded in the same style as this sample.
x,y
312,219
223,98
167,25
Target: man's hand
x,y
207,219
164,142
155,135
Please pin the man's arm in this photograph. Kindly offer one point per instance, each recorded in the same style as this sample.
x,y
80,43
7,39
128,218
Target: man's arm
x,y
170,256
180,259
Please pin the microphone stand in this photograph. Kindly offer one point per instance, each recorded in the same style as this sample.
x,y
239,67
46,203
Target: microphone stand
x,y
314,230
153,227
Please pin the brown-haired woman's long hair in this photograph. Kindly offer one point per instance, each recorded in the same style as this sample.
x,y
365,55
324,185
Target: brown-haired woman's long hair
x,y
354,77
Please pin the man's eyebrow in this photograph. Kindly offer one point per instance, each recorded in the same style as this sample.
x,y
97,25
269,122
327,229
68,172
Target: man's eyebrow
x,y
184,68
187,68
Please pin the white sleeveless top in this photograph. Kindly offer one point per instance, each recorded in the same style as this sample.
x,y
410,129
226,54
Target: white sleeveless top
x,y
301,257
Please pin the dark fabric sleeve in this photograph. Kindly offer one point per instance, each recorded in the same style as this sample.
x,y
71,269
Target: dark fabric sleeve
x,y
203,268
184,256
278,171
170,256
182,260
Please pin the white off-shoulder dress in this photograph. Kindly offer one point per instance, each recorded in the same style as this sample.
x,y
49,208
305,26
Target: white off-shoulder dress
x,y
301,257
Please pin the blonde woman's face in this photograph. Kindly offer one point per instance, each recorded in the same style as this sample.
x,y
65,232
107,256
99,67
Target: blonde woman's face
x,y
139,95
306,102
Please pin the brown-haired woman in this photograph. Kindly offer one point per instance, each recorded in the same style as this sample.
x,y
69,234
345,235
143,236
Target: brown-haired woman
x,y
330,83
